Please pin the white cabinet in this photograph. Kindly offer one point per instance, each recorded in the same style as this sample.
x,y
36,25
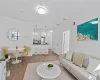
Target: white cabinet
x,y
2,70
39,49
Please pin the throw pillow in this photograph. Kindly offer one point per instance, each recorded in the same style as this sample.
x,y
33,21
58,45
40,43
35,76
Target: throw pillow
x,y
69,56
85,60
78,59
93,67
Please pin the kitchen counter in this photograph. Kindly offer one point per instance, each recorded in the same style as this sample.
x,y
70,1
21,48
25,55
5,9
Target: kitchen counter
x,y
40,49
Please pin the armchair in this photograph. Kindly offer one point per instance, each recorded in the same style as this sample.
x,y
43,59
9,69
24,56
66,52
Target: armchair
x,y
26,51
6,53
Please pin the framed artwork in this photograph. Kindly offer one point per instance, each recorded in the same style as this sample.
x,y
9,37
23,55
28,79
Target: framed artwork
x,y
88,30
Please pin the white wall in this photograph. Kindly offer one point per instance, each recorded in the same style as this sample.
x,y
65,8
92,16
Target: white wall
x,y
87,47
49,39
58,36
89,11
24,29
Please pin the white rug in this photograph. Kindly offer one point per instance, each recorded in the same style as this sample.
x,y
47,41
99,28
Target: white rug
x,y
31,74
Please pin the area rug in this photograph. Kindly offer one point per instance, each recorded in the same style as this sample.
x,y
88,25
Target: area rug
x,y
31,74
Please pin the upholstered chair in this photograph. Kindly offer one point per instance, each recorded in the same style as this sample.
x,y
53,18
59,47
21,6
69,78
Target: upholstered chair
x,y
26,51
5,51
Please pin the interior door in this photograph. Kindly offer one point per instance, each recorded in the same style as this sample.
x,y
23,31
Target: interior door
x,y
65,42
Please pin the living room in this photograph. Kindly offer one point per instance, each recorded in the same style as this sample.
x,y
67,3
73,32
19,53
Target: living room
x,y
46,32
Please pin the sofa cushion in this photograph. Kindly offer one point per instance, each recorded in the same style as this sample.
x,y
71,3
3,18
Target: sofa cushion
x,y
75,53
85,60
67,64
81,73
78,59
69,56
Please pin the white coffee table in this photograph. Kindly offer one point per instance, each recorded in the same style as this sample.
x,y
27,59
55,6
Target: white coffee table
x,y
45,73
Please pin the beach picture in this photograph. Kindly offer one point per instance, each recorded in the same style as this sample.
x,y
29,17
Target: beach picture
x,y
88,30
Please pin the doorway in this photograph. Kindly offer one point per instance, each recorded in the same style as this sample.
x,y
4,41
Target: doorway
x,y
65,41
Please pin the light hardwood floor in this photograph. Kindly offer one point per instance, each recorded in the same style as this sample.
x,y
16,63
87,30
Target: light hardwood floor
x,y
18,70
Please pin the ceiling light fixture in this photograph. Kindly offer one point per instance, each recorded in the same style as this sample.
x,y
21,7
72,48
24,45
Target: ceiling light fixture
x,y
41,9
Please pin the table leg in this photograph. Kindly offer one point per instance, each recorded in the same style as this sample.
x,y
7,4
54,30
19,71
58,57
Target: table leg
x,y
16,61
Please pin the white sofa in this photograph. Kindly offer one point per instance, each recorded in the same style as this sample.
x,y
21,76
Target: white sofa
x,y
79,72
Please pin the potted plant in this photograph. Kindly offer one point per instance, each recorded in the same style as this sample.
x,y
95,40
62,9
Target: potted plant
x,y
6,56
50,66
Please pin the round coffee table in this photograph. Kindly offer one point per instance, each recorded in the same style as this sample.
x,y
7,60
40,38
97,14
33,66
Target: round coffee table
x,y
45,73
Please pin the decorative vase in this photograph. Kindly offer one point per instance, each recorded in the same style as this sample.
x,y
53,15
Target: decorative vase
x,y
16,47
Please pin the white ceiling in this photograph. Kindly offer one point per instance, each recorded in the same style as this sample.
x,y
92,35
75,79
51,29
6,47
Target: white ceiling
x,y
24,10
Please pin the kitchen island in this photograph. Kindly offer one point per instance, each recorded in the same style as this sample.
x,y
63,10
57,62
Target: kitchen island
x,y
40,49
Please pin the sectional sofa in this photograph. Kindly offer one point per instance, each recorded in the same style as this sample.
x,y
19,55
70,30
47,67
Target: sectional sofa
x,y
81,69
